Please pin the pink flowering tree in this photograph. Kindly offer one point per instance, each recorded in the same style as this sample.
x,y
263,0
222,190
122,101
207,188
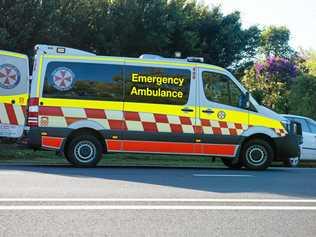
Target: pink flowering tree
x,y
269,81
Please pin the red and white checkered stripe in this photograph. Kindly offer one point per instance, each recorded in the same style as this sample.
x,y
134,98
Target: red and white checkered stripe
x,y
222,128
138,121
12,114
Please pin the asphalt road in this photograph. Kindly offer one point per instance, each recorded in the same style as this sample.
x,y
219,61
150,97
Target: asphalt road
x,y
64,201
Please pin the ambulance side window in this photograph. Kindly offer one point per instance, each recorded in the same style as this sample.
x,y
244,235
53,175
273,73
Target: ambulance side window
x,y
221,89
157,85
84,81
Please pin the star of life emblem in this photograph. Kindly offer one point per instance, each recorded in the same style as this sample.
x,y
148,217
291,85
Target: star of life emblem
x,y
63,79
221,115
10,76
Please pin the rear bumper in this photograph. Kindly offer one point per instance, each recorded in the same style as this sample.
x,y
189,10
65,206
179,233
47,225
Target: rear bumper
x,y
287,147
34,137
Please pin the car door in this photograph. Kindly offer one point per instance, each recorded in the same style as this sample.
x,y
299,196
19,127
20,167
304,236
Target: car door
x,y
308,140
310,147
221,116
14,88
159,109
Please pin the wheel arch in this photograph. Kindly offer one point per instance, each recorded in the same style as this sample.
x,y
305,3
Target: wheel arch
x,y
85,130
260,136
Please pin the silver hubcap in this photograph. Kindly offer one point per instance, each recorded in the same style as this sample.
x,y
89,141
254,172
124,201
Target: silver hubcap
x,y
256,155
85,151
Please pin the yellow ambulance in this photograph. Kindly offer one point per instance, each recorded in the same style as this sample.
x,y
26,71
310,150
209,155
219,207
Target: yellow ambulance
x,y
84,105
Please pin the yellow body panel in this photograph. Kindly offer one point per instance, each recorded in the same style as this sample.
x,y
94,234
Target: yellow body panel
x,y
262,121
39,76
86,58
108,105
20,99
89,104
160,109
15,55
232,116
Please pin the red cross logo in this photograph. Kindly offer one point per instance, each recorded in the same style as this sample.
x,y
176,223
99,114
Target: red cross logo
x,y
9,76
63,79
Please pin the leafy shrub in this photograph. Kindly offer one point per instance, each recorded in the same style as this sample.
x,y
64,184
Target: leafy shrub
x,y
302,98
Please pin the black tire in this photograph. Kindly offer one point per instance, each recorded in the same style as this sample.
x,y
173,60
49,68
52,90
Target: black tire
x,y
257,154
233,163
67,158
84,151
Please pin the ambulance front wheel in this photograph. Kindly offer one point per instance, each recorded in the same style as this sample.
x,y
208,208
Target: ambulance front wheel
x,y
84,151
257,154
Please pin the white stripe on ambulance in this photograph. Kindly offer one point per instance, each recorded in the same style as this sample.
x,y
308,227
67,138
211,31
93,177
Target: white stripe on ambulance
x,y
3,114
19,114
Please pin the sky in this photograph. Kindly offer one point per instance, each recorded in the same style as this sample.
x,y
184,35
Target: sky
x,y
298,16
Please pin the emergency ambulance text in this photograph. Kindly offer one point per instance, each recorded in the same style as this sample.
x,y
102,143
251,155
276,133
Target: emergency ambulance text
x,y
158,80
147,80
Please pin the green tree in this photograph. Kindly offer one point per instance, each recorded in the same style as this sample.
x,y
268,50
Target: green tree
x,y
139,26
303,96
274,41
18,20
311,62
183,23
67,23
128,28
223,40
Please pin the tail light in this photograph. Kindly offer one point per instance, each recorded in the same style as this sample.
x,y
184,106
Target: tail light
x,y
33,112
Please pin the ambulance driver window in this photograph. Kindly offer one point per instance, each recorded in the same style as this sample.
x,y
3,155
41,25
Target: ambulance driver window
x,y
85,81
219,88
157,85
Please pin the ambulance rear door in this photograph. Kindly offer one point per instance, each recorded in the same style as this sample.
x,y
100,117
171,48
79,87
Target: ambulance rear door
x,y
14,91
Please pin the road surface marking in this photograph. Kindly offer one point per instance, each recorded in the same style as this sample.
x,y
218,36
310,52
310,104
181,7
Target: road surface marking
x,y
212,200
155,207
222,175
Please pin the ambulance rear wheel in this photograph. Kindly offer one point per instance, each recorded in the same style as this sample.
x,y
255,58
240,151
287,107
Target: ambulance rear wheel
x,y
84,151
232,163
257,154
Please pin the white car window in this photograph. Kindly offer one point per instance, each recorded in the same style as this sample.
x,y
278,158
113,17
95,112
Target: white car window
x,y
303,123
312,126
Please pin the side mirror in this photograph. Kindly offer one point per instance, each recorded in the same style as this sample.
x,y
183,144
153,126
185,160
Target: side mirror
x,y
245,103
297,129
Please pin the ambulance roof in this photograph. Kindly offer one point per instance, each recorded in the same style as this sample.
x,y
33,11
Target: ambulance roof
x,y
63,52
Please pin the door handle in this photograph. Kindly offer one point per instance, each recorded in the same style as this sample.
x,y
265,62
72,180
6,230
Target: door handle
x,y
187,109
208,111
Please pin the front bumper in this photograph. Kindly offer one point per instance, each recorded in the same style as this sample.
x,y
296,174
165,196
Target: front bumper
x,y
287,147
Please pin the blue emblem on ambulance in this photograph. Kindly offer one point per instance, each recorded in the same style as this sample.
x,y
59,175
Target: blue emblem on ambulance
x,y
63,79
10,76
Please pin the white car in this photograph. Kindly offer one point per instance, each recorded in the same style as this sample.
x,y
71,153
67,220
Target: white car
x,y
308,148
